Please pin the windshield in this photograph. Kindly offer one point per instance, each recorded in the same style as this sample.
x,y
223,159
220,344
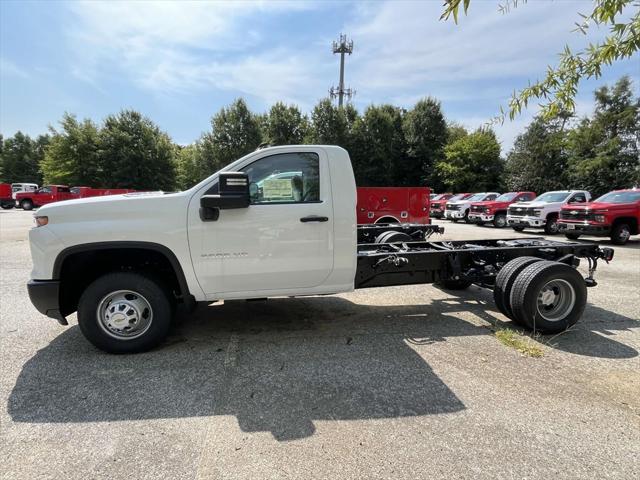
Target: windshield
x,y
439,196
459,196
550,197
478,197
620,197
506,197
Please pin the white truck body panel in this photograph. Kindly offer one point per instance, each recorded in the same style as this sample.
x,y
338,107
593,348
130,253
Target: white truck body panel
x,y
263,250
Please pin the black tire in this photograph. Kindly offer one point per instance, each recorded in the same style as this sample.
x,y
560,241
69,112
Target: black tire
x,y
26,204
466,216
505,280
459,284
518,229
572,236
156,297
480,224
393,237
551,226
620,234
7,206
548,277
500,220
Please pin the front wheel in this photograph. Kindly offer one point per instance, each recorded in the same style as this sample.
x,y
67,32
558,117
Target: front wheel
x,y
518,229
26,204
500,220
124,313
551,227
572,236
620,234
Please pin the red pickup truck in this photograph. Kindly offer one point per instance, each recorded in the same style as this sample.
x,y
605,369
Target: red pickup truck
x,y
438,204
615,215
85,192
393,205
6,200
495,211
42,196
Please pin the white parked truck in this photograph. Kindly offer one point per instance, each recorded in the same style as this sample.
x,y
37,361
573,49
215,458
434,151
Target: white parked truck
x,y
543,211
459,209
124,262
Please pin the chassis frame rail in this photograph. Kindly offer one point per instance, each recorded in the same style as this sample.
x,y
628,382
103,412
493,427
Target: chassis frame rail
x,y
367,233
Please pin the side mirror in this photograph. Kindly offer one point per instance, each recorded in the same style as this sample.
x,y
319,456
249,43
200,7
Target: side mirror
x,y
234,193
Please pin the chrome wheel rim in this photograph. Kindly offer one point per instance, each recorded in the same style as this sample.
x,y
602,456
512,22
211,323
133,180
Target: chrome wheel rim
x,y
556,300
624,234
124,314
553,226
501,221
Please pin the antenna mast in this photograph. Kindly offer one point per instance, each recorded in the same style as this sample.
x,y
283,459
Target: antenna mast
x,y
342,46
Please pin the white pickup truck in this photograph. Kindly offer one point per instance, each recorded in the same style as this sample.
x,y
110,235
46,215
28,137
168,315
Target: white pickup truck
x,y
543,211
459,209
124,262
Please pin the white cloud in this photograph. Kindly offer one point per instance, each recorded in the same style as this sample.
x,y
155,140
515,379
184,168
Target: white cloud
x,y
7,67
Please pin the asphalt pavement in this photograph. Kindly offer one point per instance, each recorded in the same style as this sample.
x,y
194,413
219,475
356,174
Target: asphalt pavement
x,y
403,382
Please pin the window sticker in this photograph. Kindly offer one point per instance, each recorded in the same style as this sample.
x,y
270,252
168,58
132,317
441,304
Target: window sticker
x,y
277,188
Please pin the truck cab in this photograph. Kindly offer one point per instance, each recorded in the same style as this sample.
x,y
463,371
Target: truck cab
x,y
615,215
43,196
543,211
459,209
495,211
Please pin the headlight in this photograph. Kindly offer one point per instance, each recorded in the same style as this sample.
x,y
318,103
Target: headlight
x,y
600,218
487,210
41,221
536,213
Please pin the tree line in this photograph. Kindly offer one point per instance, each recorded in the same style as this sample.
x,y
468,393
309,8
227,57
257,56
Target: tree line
x,y
388,145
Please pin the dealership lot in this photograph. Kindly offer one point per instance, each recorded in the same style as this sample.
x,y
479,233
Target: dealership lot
x,y
403,382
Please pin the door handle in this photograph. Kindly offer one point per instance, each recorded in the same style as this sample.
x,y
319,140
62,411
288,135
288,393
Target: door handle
x,y
314,218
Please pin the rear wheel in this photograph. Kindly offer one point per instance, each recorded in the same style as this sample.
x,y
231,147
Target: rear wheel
x,y
548,297
500,220
551,227
504,283
26,204
7,206
620,234
125,313
572,236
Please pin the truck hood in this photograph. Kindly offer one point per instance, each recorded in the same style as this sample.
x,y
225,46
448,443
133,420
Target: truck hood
x,y
596,206
533,204
492,204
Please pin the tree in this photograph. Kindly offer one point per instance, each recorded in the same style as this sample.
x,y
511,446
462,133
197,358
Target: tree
x,y
235,132
473,163
189,169
134,153
558,88
379,147
425,131
603,152
21,157
538,160
331,125
284,125
72,155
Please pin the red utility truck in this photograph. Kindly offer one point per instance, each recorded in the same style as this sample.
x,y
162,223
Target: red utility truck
x,y
495,211
43,196
393,205
85,192
6,198
438,204
615,215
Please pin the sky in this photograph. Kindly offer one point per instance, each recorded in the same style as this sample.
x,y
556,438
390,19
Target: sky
x,y
179,63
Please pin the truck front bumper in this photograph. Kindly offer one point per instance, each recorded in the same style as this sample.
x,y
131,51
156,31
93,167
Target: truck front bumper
x,y
480,217
524,222
584,229
453,214
44,295
436,213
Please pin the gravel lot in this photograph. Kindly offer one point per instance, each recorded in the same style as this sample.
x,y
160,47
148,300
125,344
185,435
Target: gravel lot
x,y
405,382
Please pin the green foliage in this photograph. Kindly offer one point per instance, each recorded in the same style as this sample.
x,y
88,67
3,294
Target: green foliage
x,y
538,161
473,163
72,155
558,88
603,152
331,125
20,158
425,130
235,132
134,153
188,166
284,125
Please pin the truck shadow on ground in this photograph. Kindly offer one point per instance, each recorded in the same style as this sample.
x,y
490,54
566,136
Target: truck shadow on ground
x,y
276,366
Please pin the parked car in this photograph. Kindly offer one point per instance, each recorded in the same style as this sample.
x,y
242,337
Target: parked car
x,y
393,205
436,209
459,209
495,211
543,211
43,196
615,215
6,197
22,187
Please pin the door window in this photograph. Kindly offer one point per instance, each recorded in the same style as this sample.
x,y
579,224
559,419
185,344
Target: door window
x,y
45,190
285,178
578,198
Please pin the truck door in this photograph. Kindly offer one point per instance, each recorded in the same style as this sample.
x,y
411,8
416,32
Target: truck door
x,y
282,241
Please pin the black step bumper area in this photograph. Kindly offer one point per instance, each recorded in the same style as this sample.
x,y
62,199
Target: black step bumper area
x,y
44,295
581,229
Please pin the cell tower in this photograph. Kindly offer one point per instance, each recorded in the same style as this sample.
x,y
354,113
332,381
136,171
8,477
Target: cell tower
x,y
342,46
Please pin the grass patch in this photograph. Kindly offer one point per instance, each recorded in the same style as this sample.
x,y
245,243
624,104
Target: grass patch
x,y
521,343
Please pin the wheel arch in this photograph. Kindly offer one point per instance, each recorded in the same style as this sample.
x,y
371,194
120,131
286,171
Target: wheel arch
x,y
631,221
385,219
76,266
